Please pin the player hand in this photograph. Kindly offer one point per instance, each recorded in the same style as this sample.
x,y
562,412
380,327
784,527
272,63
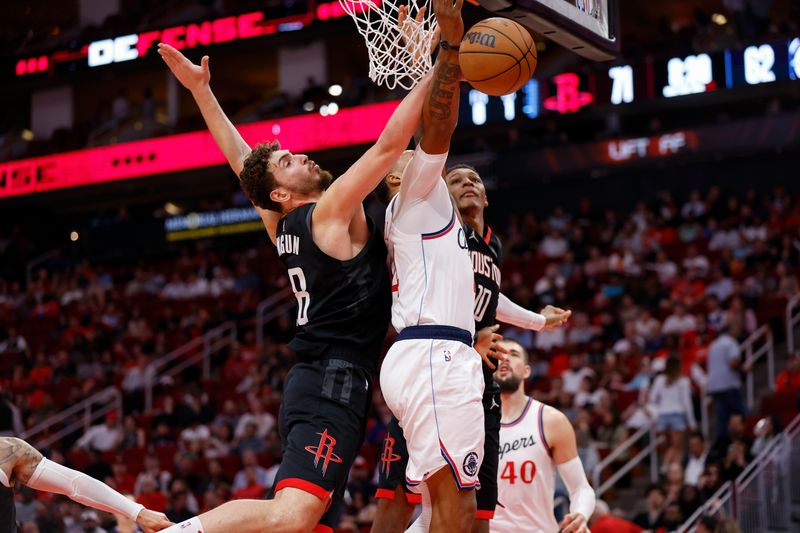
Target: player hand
x,y
486,345
191,76
574,523
152,521
448,17
412,30
554,317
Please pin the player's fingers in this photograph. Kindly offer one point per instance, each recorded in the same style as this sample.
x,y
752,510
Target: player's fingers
x,y
459,4
204,63
421,14
496,337
501,349
488,362
494,328
402,13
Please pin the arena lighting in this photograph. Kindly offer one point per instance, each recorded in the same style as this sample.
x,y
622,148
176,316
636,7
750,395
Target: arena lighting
x,y
335,90
188,151
27,135
719,19
172,209
308,106
73,236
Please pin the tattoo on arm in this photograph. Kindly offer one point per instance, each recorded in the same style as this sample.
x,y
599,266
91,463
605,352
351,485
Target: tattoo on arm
x,y
18,459
444,89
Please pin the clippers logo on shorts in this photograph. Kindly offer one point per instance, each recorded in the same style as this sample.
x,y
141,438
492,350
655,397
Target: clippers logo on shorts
x,y
324,451
388,456
471,464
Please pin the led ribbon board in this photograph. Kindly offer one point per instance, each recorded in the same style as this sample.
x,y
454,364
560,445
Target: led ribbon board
x,y
188,151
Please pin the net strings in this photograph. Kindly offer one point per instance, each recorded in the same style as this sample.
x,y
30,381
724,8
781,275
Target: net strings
x,y
398,56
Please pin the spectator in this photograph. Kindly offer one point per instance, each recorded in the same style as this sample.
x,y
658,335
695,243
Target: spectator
x,y
695,207
696,261
671,397
724,381
554,245
673,516
679,322
91,522
581,330
150,495
650,518
121,479
263,420
603,521
707,524
721,286
14,343
787,282
103,437
736,432
765,431
788,381
178,509
10,416
735,460
152,469
573,377
249,440
250,460
696,461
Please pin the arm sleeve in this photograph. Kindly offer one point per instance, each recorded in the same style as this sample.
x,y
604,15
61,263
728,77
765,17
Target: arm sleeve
x,y
58,479
581,494
423,204
510,313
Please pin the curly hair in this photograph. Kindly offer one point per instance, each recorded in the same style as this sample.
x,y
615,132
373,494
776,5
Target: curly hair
x,y
256,178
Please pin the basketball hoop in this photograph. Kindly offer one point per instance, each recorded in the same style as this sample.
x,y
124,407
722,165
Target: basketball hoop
x,y
399,54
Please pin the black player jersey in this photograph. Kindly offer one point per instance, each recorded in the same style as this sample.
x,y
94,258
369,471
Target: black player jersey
x,y
8,515
485,253
344,307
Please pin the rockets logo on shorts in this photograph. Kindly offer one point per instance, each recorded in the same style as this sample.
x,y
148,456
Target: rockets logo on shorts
x,y
388,456
471,464
324,451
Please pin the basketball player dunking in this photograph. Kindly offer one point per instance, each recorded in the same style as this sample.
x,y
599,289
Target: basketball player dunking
x,y
395,503
535,440
336,262
21,463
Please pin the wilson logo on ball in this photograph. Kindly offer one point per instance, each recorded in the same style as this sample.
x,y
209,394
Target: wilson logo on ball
x,y
484,39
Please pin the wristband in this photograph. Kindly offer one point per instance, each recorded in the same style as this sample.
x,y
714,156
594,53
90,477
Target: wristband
x,y
447,46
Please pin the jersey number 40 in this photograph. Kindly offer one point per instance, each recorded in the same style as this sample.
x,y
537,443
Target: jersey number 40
x,y
527,471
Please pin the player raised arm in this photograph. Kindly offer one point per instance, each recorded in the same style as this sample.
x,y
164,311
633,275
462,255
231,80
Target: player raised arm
x,y
561,439
440,112
197,78
344,197
21,462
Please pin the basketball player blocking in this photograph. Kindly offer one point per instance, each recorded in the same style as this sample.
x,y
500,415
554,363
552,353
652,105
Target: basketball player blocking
x,y
337,265
395,503
22,464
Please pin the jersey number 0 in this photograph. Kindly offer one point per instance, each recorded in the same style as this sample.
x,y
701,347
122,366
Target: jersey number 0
x,y
298,280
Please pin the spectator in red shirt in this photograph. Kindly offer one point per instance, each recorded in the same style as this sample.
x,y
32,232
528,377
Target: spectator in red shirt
x,y
788,381
122,480
604,522
150,496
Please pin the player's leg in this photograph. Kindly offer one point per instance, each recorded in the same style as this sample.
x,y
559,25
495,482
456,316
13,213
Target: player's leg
x,y
392,514
453,508
486,497
292,511
394,504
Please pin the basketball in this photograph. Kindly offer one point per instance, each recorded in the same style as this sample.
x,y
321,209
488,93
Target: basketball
x,y
497,56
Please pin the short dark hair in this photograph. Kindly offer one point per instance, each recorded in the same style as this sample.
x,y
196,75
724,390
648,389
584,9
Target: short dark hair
x,y
461,166
654,487
256,178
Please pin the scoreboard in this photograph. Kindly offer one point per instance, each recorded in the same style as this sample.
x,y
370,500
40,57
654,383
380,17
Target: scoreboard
x,y
628,82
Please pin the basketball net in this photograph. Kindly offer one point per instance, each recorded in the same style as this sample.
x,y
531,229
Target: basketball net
x,y
398,56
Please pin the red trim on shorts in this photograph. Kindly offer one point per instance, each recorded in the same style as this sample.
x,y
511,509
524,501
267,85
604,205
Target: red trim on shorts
x,y
302,484
484,515
414,498
319,528
384,494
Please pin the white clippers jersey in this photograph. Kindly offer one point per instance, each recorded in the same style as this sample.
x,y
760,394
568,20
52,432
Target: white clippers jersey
x,y
432,278
526,481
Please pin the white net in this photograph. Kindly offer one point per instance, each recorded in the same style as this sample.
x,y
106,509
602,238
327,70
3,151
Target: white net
x,y
399,42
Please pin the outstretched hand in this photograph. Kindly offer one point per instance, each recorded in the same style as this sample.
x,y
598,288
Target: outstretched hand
x,y
486,346
448,17
151,521
555,317
574,523
191,76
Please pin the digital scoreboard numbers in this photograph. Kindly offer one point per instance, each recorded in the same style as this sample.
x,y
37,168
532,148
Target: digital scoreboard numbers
x,y
760,63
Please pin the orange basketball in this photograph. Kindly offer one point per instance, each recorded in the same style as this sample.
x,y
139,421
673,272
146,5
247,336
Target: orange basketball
x,y
497,56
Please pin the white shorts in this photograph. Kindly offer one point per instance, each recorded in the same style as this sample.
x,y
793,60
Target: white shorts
x,y
434,385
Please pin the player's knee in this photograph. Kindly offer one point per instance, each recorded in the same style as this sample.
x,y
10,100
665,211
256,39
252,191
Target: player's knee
x,y
290,521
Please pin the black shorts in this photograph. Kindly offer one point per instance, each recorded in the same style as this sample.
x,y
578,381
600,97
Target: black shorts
x,y
394,457
322,421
